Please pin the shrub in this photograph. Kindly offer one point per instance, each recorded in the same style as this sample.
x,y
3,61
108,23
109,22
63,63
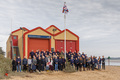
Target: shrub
x,y
5,65
69,68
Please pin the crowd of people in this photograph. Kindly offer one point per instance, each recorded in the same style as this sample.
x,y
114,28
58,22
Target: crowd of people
x,y
47,60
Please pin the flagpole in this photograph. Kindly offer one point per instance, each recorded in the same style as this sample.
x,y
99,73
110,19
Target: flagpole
x,y
65,34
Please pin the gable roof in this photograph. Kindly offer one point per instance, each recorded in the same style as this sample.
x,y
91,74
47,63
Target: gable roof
x,y
68,31
52,26
19,30
36,29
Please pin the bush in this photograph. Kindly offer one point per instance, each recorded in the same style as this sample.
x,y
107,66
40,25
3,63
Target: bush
x,y
69,68
5,65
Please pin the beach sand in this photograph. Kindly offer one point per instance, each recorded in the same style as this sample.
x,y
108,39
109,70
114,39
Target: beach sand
x,y
111,73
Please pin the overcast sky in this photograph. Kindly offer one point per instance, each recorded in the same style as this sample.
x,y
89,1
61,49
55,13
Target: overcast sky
x,y
96,22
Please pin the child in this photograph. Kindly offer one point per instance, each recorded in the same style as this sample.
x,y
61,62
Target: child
x,y
47,66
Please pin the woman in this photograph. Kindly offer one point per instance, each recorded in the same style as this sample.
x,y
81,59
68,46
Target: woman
x,y
88,63
39,64
29,63
14,65
80,63
51,64
34,63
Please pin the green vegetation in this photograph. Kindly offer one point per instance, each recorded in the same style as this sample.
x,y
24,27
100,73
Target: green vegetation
x,y
5,66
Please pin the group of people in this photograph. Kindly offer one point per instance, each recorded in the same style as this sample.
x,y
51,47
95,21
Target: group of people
x,y
47,60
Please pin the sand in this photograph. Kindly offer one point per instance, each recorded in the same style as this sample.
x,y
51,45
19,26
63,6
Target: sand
x,y
111,73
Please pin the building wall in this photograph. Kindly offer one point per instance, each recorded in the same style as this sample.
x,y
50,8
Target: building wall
x,y
69,36
35,32
8,48
19,33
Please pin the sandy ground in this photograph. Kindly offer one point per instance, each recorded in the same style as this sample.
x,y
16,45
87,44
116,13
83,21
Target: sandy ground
x,y
111,73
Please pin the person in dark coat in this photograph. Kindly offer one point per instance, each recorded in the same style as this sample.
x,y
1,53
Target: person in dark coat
x,y
69,57
63,62
25,64
93,63
47,52
18,62
32,54
76,62
39,64
103,62
60,63
54,62
43,63
72,61
80,63
14,65
58,53
84,63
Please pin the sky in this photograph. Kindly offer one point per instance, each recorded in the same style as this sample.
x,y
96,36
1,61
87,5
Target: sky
x,y
96,22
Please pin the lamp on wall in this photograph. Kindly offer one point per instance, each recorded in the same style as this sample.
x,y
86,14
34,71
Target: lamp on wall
x,y
54,32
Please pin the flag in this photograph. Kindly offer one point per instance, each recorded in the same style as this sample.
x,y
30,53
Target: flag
x,y
65,10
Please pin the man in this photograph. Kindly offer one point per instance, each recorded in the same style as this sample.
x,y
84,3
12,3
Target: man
x,y
18,61
60,63
32,54
63,62
47,52
25,64
43,63
76,62
103,62
58,53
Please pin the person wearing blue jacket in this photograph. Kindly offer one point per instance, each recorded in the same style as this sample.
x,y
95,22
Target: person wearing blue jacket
x,y
69,57
60,63
18,62
56,64
63,62
72,61
25,64
76,62
96,61
32,54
